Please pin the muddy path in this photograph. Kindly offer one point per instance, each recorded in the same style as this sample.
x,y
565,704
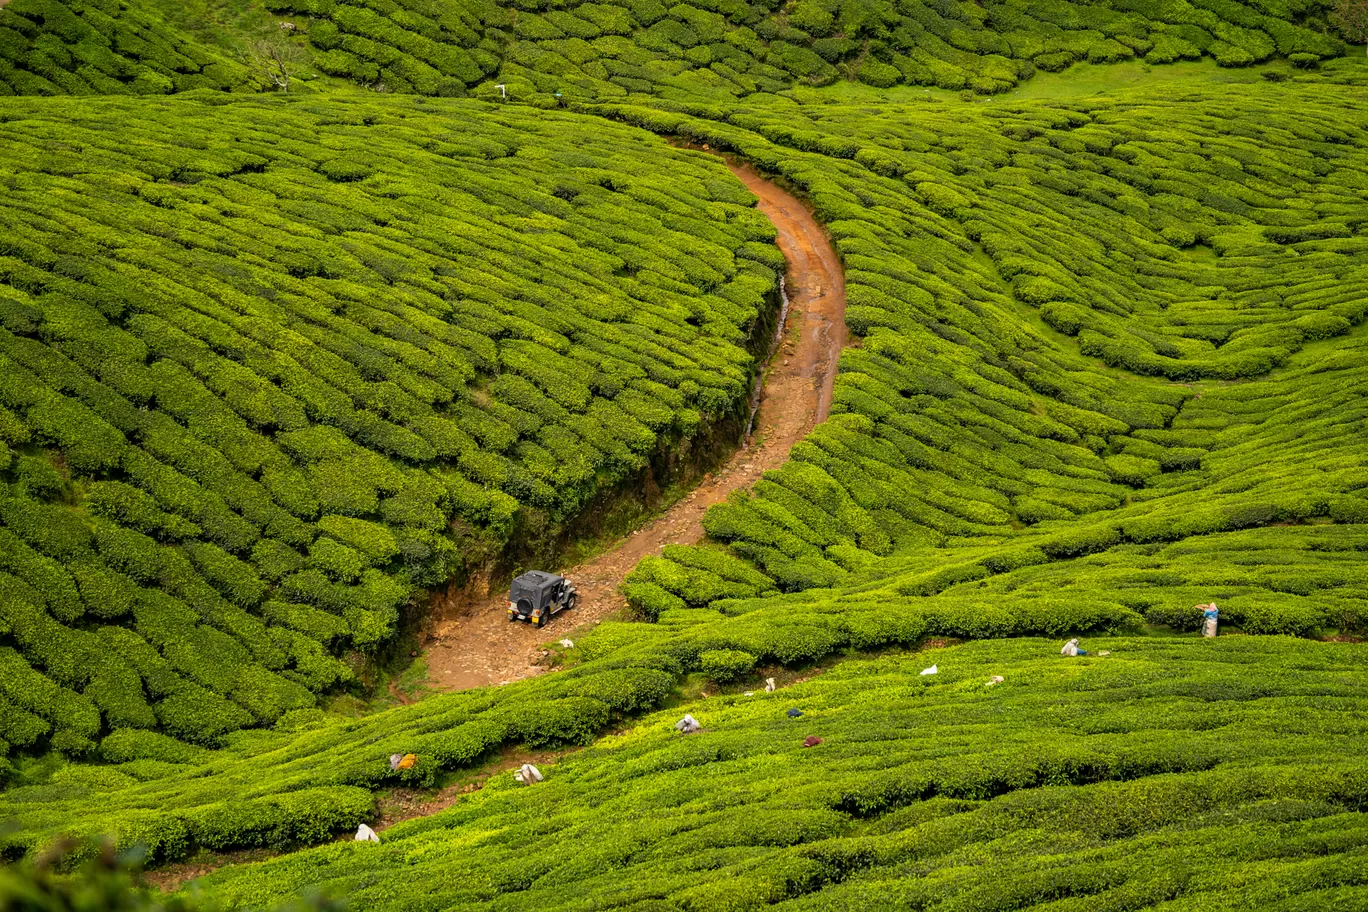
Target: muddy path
x,y
475,645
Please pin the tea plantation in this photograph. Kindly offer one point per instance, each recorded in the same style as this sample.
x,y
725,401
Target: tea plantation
x,y
276,369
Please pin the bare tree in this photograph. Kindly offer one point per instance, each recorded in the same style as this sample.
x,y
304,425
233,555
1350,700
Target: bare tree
x,y
1351,18
275,56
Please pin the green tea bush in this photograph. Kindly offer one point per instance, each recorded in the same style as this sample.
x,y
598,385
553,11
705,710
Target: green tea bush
x,y
575,720
649,599
307,815
127,744
725,665
197,714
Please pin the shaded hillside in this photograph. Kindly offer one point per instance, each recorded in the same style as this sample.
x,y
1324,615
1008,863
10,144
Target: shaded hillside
x,y
121,47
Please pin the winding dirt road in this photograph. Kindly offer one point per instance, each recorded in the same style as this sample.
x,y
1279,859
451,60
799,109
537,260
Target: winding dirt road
x,y
473,647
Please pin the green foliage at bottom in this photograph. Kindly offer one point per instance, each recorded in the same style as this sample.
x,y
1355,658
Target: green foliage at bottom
x,y
109,882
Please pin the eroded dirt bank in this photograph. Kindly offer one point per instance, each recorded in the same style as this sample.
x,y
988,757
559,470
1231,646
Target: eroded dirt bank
x,y
475,645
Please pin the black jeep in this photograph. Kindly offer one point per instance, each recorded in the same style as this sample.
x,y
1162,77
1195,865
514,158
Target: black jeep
x,y
536,595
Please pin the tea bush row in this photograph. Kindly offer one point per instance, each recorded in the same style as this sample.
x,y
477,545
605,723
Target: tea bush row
x,y
602,51
624,669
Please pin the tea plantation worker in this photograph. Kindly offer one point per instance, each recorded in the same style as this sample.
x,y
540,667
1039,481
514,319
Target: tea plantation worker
x,y
688,725
1071,649
1209,619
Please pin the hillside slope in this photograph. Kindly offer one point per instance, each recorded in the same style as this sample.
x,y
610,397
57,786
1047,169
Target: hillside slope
x,y
1016,270
263,382
727,48
1150,535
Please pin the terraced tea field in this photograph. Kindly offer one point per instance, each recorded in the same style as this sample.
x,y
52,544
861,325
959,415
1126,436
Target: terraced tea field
x,y
288,380
271,440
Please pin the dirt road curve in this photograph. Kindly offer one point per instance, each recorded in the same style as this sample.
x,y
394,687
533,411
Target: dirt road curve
x,y
473,649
